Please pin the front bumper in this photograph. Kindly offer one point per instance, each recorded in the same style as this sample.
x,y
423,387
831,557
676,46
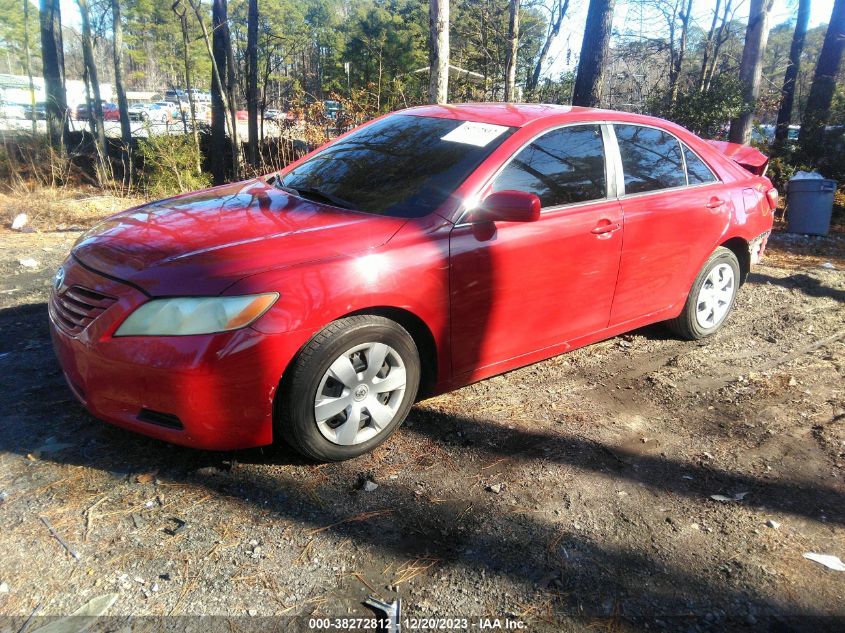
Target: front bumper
x,y
207,391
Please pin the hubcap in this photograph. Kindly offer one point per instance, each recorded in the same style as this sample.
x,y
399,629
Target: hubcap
x,y
715,296
360,394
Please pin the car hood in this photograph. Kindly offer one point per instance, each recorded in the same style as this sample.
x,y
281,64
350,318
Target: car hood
x,y
200,243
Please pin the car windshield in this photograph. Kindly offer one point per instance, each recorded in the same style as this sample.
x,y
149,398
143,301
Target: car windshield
x,y
401,166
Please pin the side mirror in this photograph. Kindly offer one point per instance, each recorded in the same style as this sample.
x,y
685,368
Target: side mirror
x,y
509,206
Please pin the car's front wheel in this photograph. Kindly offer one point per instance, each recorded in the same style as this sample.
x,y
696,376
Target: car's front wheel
x,y
711,297
349,388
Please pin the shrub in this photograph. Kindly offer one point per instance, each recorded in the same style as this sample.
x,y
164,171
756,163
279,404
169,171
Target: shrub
x,y
704,113
170,165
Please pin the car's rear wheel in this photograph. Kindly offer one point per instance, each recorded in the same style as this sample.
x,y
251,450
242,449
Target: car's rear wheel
x,y
349,388
711,297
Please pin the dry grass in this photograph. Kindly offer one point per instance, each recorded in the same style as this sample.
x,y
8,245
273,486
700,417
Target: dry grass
x,y
61,208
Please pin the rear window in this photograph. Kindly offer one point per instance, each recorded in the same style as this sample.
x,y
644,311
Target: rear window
x,y
402,165
651,159
698,173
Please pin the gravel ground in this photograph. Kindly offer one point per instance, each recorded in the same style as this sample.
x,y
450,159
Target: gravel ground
x,y
568,495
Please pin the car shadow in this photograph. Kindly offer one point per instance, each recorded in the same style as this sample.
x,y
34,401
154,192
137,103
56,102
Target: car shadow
x,y
587,583
810,286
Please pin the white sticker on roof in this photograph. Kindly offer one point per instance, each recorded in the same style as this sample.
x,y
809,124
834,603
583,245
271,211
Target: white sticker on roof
x,y
474,133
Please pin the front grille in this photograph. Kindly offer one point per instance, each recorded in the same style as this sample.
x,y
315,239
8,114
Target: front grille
x,y
77,307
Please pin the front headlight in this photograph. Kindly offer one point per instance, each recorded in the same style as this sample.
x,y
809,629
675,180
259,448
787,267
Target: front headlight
x,y
195,315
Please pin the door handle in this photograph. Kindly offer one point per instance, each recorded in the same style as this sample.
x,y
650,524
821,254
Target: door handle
x,y
715,203
606,228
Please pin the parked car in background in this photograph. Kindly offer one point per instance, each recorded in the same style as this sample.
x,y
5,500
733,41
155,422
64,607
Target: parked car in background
x,y
241,115
456,243
175,95
159,112
110,112
200,96
332,108
274,115
40,110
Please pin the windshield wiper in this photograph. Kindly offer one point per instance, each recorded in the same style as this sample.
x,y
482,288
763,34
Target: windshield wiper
x,y
310,193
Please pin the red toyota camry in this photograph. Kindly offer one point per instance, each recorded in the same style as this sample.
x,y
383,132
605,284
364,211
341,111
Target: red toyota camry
x,y
423,251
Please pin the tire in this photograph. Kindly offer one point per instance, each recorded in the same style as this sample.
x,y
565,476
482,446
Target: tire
x,y
692,323
309,378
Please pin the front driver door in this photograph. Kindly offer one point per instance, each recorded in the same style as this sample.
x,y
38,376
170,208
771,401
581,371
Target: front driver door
x,y
516,288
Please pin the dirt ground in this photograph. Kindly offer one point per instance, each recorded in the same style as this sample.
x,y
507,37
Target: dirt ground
x,y
570,495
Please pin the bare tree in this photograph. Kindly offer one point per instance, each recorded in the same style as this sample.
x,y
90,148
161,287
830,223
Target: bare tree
x,y
817,111
95,109
53,69
182,13
559,10
221,106
513,48
791,74
122,103
678,53
591,64
252,82
28,60
716,37
438,51
750,68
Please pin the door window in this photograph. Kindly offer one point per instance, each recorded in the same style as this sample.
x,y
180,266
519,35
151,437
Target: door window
x,y
698,173
564,166
651,159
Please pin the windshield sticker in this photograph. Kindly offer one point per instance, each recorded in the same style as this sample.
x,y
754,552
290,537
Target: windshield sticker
x,y
473,133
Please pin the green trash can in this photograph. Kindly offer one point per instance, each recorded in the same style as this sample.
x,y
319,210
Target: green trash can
x,y
809,205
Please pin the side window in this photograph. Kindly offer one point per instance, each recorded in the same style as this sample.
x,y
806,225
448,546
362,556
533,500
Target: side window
x,y
651,159
698,173
563,166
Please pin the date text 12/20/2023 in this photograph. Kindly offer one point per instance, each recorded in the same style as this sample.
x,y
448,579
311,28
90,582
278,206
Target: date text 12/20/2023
x,y
418,624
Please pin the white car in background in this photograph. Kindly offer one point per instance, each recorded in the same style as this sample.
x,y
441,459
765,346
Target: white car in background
x,y
159,112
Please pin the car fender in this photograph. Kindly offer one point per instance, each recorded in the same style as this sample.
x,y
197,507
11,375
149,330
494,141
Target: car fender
x,y
408,273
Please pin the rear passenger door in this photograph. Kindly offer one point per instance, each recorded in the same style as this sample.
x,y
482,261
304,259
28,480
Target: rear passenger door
x,y
674,208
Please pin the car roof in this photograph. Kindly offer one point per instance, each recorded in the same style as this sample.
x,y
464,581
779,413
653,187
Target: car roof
x,y
521,114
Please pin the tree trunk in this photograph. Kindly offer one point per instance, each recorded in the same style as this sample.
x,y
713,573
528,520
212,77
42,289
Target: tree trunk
x,y
28,60
817,111
53,62
95,113
438,18
590,75
182,14
232,90
708,46
122,103
708,65
554,29
750,68
513,47
675,71
220,118
791,75
252,81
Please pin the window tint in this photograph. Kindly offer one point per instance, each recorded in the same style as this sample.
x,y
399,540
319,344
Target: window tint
x,y
697,172
402,166
651,159
561,167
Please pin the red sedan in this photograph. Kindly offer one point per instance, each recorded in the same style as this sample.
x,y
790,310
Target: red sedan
x,y
423,251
